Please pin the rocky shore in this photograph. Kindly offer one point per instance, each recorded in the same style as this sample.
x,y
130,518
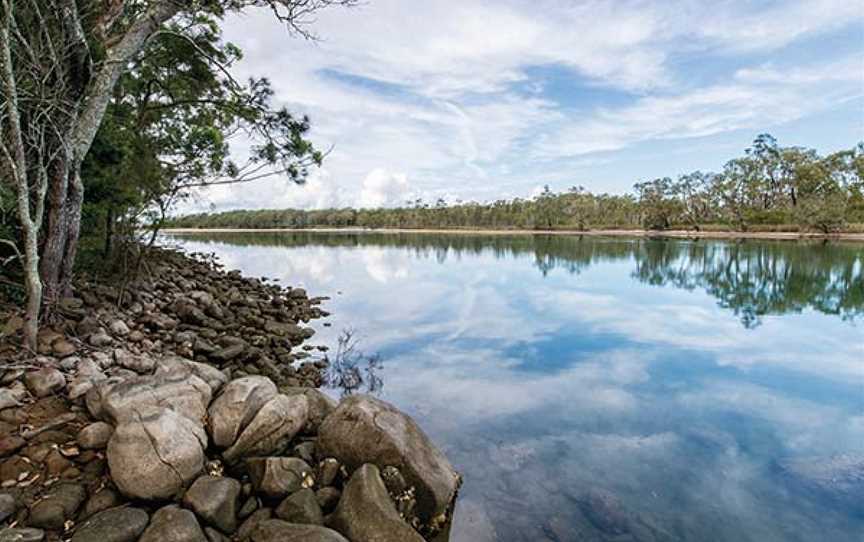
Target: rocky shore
x,y
184,407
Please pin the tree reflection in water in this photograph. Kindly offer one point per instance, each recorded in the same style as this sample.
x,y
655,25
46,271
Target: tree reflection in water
x,y
752,278
351,370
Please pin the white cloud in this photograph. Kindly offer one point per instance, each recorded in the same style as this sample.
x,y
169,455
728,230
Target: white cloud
x,y
382,188
452,107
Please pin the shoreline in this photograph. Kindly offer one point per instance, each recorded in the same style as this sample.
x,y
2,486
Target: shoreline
x,y
672,234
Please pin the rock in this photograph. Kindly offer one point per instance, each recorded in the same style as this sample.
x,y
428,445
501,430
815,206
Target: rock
x,y
228,353
320,406
154,454
119,328
215,500
11,444
103,500
278,421
235,407
365,511
44,382
7,506
301,507
62,348
113,525
209,374
274,530
21,535
260,515
605,511
278,476
364,429
99,339
328,498
173,524
183,393
11,396
140,364
329,470
60,504
393,480
95,436
214,536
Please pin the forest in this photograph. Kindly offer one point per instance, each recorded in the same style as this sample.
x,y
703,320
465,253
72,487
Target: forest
x,y
768,188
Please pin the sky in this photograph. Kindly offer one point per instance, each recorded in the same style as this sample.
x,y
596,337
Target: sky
x,y
479,100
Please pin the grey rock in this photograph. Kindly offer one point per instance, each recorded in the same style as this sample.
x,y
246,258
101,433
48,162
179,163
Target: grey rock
x,y
214,536
228,353
257,517
183,393
45,381
119,328
113,525
155,453
328,498
329,471
95,436
364,429
320,406
365,511
215,500
60,504
103,500
275,530
301,507
278,421
251,504
173,524
7,506
209,374
12,396
100,339
21,535
278,476
140,364
236,406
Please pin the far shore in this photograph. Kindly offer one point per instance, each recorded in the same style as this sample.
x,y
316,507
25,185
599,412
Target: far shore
x,y
679,234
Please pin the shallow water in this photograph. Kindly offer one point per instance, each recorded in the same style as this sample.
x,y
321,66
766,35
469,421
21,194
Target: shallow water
x,y
677,379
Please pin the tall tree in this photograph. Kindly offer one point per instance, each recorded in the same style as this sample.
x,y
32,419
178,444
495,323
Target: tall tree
x,y
60,61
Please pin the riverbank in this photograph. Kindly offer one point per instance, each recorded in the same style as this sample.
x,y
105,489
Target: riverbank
x,y
184,406
675,234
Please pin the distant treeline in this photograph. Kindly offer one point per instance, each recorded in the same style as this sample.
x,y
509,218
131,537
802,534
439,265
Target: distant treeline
x,y
769,188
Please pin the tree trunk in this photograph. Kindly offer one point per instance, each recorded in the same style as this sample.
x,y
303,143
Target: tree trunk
x,y
109,232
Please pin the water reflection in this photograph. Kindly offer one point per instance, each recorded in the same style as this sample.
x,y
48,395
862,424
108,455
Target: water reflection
x,y
751,278
630,390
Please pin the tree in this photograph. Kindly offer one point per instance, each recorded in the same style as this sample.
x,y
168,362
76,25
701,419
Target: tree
x,y
60,61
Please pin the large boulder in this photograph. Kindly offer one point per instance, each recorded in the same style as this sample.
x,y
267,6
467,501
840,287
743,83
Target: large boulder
x,y
215,500
365,512
236,406
364,429
209,374
320,406
276,477
181,392
113,525
278,421
275,530
173,524
155,453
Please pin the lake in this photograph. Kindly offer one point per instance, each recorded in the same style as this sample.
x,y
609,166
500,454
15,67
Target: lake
x,y
592,388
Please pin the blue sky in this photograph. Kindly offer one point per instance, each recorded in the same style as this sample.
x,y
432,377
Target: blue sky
x,y
479,100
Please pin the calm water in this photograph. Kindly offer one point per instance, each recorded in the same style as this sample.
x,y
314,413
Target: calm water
x,y
680,377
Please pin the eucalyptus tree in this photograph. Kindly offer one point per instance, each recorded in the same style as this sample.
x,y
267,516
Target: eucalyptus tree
x,y
60,62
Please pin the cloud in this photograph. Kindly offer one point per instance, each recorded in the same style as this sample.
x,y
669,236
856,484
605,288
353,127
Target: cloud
x,y
479,98
382,188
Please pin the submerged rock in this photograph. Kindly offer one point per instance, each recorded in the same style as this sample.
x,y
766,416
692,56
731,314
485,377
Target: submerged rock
x,y
605,511
364,429
839,478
